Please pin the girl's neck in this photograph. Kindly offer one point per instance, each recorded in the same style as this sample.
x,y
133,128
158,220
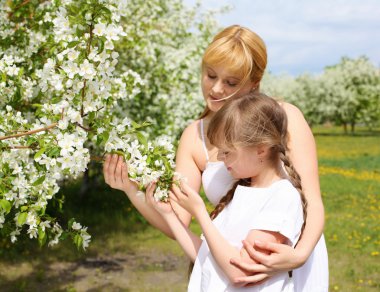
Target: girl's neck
x,y
267,177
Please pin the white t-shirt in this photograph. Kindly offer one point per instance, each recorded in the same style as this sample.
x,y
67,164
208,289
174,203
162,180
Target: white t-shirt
x,y
276,208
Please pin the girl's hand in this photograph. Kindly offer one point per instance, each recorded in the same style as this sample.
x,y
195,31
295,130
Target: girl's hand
x,y
187,198
162,207
272,258
115,172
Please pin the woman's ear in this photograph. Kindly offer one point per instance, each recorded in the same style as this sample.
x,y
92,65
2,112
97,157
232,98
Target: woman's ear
x,y
255,86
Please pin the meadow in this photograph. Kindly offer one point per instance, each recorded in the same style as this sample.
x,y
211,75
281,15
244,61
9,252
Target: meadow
x,y
128,255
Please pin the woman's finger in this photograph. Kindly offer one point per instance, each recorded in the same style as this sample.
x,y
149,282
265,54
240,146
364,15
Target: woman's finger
x,y
124,172
270,247
119,163
251,280
248,267
149,192
112,167
258,256
106,165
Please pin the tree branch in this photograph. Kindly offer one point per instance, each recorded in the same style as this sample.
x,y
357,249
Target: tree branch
x,y
29,132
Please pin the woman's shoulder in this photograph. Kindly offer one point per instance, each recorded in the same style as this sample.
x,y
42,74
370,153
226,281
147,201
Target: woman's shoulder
x,y
191,131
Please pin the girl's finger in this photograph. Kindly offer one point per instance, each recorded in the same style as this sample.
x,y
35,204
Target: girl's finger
x,y
179,194
173,197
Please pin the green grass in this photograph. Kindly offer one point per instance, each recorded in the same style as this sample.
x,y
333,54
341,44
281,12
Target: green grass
x,y
350,184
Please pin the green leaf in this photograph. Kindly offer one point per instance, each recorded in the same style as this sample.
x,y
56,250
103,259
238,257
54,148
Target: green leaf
x,y
73,44
22,218
24,208
142,139
3,77
39,181
39,153
78,240
41,236
71,222
5,205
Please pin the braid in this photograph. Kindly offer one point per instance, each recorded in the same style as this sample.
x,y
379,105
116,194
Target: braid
x,y
295,179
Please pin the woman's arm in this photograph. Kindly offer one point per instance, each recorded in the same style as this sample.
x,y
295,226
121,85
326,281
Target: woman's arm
x,y
303,154
116,175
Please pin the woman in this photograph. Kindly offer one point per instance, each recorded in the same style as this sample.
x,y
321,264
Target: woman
x,y
232,66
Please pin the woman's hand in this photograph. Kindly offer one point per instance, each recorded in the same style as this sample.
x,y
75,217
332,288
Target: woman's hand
x,y
187,198
272,258
161,207
115,172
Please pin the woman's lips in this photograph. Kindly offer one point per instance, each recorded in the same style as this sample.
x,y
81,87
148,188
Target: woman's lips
x,y
215,98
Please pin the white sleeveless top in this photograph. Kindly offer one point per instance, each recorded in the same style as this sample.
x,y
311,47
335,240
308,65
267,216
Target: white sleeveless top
x,y
313,276
216,179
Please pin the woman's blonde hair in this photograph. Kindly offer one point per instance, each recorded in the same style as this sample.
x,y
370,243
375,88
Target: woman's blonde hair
x,y
250,121
239,49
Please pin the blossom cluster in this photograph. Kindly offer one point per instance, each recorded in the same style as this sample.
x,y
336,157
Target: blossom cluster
x,y
69,77
62,97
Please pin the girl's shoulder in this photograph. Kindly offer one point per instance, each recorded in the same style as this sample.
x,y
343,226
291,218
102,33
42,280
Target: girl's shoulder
x,y
284,190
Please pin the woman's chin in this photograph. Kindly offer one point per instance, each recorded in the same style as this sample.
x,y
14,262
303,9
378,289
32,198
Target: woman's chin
x,y
214,106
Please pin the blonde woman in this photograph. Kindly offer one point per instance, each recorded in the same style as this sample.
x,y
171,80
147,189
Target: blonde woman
x,y
232,66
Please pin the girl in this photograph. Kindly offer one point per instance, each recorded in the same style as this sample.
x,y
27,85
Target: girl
x,y
232,66
265,203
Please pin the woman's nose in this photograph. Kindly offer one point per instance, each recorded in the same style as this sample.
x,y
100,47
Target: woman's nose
x,y
218,88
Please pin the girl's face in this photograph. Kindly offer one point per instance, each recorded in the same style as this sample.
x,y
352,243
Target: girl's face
x,y
218,83
242,162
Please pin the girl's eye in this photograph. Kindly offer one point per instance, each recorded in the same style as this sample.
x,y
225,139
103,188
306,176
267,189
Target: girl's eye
x,y
211,76
232,84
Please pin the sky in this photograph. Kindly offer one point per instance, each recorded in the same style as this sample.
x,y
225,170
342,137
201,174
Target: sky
x,y
306,36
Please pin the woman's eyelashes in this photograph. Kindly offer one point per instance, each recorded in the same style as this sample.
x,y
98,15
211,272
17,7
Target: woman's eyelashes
x,y
228,82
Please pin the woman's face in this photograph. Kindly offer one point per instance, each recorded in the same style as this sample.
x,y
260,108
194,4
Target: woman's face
x,y
218,83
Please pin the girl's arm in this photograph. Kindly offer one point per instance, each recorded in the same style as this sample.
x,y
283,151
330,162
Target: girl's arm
x,y
303,155
189,242
220,248
116,175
